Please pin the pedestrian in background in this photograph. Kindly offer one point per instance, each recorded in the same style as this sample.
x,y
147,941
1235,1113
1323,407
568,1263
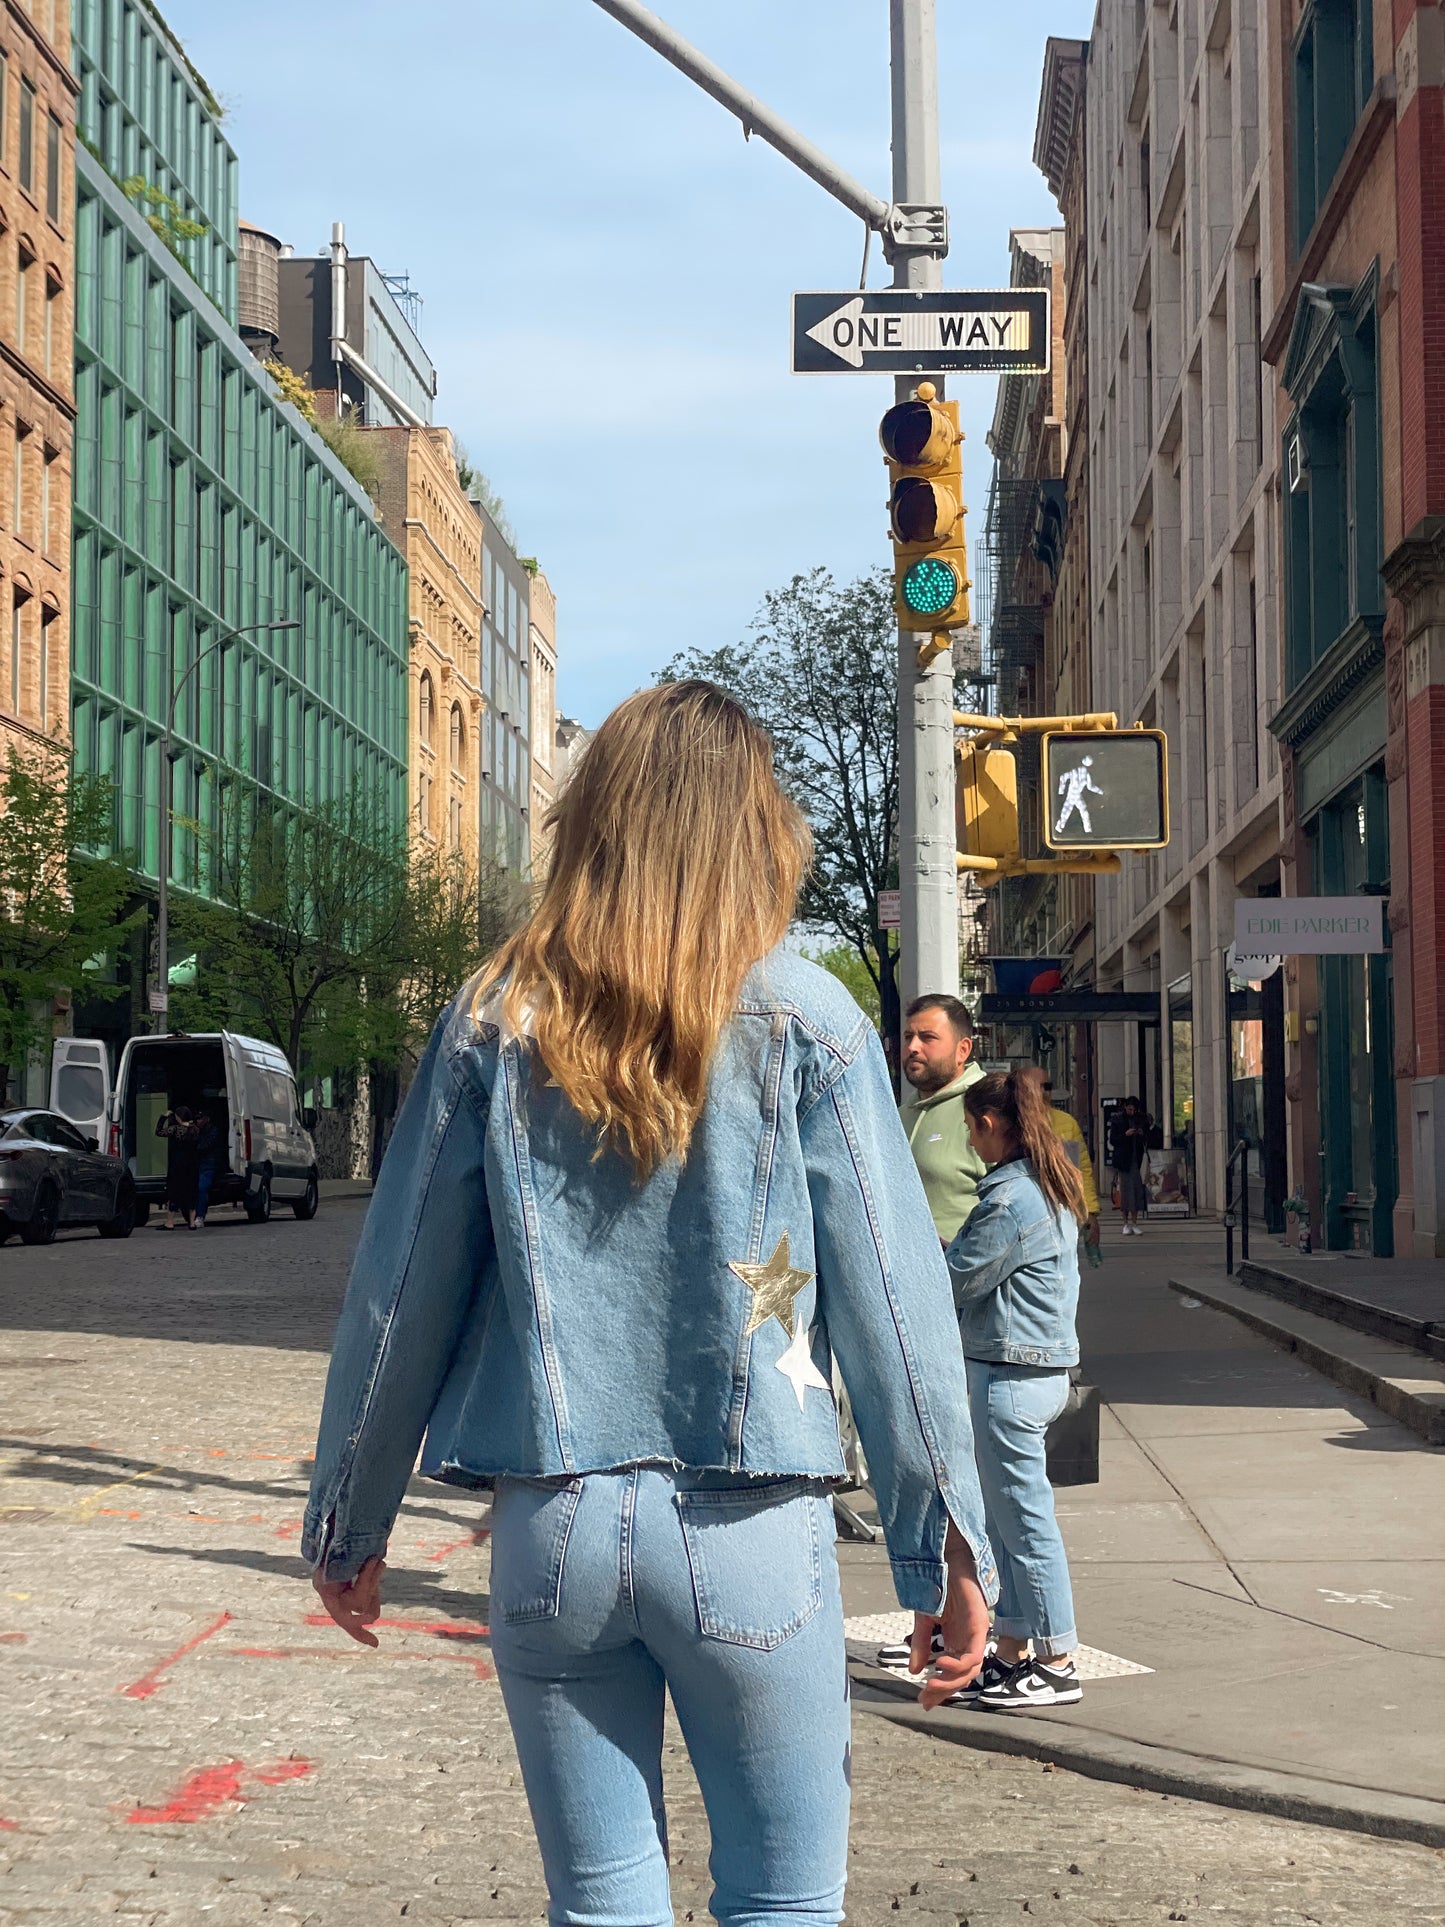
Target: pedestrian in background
x,y
647,1163
938,1063
1070,1134
1128,1148
1015,1272
207,1143
178,1128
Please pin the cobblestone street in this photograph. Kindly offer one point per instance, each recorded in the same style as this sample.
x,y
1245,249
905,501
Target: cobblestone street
x,y
185,1740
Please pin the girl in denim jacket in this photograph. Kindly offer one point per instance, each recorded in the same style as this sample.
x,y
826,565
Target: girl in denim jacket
x,y
1015,1273
648,1184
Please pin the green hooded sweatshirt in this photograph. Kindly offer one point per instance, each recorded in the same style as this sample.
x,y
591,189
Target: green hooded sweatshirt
x,y
948,1164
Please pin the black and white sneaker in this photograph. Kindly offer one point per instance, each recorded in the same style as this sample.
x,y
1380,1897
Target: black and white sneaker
x,y
897,1656
993,1672
1034,1683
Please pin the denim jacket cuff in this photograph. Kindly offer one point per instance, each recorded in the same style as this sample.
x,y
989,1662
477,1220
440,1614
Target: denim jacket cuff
x,y
918,1584
337,1559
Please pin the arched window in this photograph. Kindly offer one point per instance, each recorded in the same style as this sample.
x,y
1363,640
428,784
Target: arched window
x,y
426,711
459,739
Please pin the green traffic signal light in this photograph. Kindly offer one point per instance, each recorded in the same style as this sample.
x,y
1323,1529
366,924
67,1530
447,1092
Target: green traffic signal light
x,y
930,586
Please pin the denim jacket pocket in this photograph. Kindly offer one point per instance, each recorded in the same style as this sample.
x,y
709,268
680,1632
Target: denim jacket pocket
x,y
531,1524
756,1559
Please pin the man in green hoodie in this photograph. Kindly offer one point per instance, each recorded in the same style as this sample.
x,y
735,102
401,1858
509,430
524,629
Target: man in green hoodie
x,y
938,1063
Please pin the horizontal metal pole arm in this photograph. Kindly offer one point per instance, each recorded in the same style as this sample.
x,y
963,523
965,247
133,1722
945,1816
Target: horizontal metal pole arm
x,y
756,117
1023,725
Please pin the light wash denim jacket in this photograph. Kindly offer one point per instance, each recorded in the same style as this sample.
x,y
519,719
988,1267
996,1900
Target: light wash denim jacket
x,y
1015,1268
532,1310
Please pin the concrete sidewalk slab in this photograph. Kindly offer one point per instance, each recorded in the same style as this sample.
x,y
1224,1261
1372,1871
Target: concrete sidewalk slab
x,y
1270,1543
1404,1383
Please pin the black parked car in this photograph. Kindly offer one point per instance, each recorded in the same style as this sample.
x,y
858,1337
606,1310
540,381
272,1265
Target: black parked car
x,y
52,1176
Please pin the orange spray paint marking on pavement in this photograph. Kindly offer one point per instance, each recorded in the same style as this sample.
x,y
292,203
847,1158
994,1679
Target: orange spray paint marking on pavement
x,y
438,1628
151,1682
9,1826
13,1639
213,1787
480,1667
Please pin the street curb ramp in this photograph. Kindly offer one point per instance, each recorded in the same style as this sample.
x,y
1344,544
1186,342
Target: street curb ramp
x,y
1100,1755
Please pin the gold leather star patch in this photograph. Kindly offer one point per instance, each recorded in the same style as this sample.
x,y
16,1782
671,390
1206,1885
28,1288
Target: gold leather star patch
x,y
774,1286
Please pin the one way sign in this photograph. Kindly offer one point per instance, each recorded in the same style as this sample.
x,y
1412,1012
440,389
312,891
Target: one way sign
x,y
901,331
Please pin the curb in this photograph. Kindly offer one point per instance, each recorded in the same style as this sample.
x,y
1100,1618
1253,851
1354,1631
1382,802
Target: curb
x,y
345,1187
1158,1769
1404,1384
1341,1308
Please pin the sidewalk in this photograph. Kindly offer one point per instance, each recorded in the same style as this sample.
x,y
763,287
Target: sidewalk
x,y
1271,1545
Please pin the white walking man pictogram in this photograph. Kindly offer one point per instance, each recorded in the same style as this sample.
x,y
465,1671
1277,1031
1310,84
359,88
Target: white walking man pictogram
x,y
1073,785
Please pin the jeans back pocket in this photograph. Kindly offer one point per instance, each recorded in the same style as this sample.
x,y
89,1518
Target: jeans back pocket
x,y
531,1524
756,1559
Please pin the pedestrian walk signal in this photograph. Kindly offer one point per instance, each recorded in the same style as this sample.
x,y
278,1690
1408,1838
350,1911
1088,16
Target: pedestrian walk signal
x,y
1105,789
924,446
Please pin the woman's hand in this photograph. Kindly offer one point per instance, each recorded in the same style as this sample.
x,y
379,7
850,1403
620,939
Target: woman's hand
x,y
355,1604
965,1622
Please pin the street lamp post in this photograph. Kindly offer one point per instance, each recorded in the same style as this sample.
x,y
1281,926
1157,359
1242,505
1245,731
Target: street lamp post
x,y
163,908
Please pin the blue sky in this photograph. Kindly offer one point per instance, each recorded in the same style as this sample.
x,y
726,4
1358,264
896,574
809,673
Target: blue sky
x,y
606,266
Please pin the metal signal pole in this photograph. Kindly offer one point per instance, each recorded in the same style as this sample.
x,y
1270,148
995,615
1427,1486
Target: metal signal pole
x,y
927,871
914,229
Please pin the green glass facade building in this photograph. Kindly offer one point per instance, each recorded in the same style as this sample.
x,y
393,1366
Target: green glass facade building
x,y
203,502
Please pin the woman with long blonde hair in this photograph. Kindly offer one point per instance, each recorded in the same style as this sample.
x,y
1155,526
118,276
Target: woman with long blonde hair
x,y
648,1183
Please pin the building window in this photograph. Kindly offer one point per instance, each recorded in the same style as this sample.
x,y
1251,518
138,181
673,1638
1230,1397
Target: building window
x,y
27,136
47,617
47,459
1333,75
17,647
1333,510
17,520
52,169
423,804
22,299
52,295
426,710
454,823
458,738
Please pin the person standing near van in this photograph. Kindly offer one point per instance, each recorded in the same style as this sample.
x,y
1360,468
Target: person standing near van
x,y
207,1142
178,1128
938,1063
648,1177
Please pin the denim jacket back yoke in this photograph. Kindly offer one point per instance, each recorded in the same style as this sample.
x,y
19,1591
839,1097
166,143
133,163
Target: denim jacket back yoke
x,y
531,1309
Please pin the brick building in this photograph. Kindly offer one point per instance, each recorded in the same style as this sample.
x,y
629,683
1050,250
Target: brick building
x,y
37,407
1356,339
427,512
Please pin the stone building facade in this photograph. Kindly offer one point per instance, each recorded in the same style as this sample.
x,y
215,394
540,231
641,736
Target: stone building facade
x,y
1355,339
37,391
1182,262
428,515
1059,144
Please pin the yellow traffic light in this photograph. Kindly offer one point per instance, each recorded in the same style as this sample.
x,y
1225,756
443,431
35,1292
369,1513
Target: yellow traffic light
x,y
924,446
986,802
1105,789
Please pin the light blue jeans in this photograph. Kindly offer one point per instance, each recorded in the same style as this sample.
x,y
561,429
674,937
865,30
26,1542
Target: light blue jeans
x,y
608,1589
1013,1407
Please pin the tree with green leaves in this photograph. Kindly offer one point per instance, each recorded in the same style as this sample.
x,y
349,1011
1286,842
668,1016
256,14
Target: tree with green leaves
x,y
327,935
59,907
819,672
302,909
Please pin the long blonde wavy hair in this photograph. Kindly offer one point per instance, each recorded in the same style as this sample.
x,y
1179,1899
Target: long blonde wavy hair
x,y
676,862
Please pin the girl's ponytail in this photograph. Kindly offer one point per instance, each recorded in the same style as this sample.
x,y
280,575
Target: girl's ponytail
x,y
1024,1110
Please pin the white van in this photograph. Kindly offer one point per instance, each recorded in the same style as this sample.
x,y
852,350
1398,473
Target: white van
x,y
266,1154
